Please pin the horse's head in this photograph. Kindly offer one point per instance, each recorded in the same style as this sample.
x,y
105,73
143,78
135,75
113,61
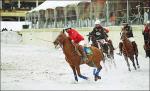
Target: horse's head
x,y
123,35
60,39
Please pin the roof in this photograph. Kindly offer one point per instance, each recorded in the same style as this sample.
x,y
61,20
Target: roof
x,y
53,4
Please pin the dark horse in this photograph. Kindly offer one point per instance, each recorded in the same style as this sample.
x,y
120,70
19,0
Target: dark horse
x,y
74,59
128,51
107,49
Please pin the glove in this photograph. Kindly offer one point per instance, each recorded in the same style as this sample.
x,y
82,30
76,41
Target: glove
x,y
72,41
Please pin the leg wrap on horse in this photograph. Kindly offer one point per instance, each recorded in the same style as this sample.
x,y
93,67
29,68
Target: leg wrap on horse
x,y
76,78
96,73
81,76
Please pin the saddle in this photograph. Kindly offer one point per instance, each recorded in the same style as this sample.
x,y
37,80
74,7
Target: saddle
x,y
79,50
83,52
88,50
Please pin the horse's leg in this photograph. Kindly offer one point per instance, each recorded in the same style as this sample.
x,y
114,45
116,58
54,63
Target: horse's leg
x,y
104,63
132,59
111,52
136,53
96,73
111,48
106,49
73,69
126,58
79,73
136,57
74,72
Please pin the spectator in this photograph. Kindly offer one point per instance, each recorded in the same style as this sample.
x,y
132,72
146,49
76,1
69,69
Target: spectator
x,y
145,16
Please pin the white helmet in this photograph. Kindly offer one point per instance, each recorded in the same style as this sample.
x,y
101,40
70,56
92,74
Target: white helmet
x,y
148,22
97,22
67,27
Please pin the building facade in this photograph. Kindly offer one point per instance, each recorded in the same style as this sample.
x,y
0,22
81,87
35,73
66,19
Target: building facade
x,y
15,10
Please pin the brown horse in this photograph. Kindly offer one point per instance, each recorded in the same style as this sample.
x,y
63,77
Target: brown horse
x,y
128,51
74,59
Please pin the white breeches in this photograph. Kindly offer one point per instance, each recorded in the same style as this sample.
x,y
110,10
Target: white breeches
x,y
103,41
84,43
130,39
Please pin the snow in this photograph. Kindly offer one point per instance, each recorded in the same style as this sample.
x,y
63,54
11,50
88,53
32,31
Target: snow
x,y
32,67
10,37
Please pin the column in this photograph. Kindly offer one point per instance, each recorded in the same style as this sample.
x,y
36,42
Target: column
x,y
46,16
55,17
127,11
65,13
18,18
38,21
18,3
31,20
77,15
91,14
1,1
107,12
37,3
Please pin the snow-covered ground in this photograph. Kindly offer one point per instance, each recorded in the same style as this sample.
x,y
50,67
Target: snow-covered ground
x,y
31,67
10,37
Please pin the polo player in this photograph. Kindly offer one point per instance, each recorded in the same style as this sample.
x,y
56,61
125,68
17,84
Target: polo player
x,y
77,38
128,28
100,34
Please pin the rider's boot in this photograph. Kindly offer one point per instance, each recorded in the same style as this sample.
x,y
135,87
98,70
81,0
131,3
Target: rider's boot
x,y
84,56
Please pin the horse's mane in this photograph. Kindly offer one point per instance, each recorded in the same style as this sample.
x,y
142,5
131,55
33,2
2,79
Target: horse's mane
x,y
67,37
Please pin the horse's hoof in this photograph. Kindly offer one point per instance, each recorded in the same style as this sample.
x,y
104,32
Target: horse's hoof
x,y
129,69
86,78
96,79
138,66
135,68
76,80
99,77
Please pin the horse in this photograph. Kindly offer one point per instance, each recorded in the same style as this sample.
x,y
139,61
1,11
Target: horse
x,y
129,51
74,59
107,50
